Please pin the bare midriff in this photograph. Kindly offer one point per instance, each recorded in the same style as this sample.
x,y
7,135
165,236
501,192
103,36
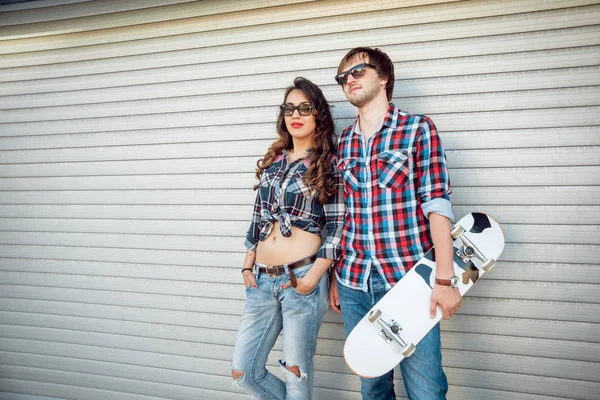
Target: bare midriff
x,y
277,249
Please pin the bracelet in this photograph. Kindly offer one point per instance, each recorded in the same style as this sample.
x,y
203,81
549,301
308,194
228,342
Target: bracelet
x,y
247,269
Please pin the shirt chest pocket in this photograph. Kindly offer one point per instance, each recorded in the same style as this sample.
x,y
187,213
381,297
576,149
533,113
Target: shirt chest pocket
x,y
393,169
348,171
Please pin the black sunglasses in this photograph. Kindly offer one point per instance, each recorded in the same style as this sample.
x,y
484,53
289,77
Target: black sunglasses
x,y
303,109
357,71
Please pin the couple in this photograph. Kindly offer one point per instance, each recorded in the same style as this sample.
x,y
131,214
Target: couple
x,y
382,194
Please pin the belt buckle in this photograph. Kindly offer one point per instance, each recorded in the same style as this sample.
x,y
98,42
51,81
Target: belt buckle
x,y
274,274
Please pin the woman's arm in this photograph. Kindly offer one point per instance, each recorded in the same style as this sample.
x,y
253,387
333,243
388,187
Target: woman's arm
x,y
307,283
251,243
248,275
253,233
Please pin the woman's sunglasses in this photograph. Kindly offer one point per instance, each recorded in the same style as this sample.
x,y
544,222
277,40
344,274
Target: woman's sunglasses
x,y
357,71
303,109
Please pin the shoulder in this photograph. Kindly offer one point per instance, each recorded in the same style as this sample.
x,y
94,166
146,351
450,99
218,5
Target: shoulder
x,y
417,124
406,118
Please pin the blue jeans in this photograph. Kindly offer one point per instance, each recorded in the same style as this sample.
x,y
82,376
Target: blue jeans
x,y
268,310
422,372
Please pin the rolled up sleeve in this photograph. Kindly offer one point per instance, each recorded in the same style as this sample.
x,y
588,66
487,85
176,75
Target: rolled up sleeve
x,y
253,233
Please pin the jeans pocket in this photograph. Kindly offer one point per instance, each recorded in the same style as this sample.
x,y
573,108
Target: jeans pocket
x,y
249,289
312,292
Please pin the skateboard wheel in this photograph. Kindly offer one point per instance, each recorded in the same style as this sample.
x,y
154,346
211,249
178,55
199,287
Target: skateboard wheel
x,y
488,265
374,316
456,231
409,350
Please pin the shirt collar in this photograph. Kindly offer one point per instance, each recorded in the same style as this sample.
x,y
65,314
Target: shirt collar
x,y
286,154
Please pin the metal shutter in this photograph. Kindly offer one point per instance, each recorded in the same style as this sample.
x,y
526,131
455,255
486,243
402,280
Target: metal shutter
x,y
129,131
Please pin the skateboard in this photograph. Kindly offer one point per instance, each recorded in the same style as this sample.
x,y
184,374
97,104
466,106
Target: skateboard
x,y
395,325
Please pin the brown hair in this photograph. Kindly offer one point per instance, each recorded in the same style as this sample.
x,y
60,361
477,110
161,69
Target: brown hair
x,y
381,61
319,175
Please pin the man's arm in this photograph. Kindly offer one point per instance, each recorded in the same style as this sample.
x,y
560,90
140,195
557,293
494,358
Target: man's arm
x,y
448,298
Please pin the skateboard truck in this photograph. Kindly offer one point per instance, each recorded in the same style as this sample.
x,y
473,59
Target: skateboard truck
x,y
468,249
391,332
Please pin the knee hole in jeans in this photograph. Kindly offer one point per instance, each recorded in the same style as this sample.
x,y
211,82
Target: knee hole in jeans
x,y
235,374
294,369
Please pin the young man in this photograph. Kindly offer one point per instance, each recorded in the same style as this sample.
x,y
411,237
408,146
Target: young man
x,y
397,190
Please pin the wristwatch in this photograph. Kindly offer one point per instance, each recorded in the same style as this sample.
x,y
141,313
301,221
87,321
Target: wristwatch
x,y
452,282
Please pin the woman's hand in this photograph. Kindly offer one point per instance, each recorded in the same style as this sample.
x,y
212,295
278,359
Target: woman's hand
x,y
304,285
307,283
249,279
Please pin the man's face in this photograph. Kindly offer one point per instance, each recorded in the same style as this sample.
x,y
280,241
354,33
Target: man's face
x,y
361,90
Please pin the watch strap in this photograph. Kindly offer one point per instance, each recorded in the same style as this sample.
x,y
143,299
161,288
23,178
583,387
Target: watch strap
x,y
443,282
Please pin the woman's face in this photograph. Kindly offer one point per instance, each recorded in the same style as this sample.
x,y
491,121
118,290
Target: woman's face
x,y
300,126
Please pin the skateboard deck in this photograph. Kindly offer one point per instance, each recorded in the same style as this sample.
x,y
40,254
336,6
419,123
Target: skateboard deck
x,y
395,325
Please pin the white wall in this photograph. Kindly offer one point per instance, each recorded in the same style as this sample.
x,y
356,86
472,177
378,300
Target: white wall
x,y
129,131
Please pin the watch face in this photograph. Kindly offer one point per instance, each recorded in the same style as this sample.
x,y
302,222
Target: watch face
x,y
454,281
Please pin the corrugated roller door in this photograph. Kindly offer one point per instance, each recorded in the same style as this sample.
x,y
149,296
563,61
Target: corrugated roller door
x,y
129,132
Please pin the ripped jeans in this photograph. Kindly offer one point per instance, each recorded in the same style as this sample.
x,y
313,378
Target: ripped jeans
x,y
268,310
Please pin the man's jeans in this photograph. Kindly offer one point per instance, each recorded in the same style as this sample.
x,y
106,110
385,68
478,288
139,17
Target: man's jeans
x,y
269,309
422,372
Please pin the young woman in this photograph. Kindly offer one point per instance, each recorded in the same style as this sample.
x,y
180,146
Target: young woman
x,y
286,266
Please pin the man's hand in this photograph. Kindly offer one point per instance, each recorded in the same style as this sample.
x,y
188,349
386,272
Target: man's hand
x,y
448,298
334,298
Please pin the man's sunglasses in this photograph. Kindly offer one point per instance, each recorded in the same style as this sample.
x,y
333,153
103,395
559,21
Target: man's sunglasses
x,y
357,71
303,109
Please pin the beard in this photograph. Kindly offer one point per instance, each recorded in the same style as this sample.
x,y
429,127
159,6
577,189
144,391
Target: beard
x,y
366,96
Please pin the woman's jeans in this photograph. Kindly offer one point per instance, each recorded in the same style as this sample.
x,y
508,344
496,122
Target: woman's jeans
x,y
268,310
422,372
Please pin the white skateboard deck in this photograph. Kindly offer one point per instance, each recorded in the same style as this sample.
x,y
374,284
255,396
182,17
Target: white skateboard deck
x,y
374,348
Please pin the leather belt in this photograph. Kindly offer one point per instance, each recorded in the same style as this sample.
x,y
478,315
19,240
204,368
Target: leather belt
x,y
277,270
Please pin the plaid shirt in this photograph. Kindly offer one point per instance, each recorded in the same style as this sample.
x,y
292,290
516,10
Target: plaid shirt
x,y
283,197
391,183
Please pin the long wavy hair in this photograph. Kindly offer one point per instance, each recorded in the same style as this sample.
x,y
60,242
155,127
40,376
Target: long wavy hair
x,y
319,175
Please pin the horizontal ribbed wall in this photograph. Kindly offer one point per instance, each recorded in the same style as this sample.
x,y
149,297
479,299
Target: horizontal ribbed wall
x,y
129,132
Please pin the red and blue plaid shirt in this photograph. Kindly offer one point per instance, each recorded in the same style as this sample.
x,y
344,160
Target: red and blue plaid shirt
x,y
391,183
283,197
